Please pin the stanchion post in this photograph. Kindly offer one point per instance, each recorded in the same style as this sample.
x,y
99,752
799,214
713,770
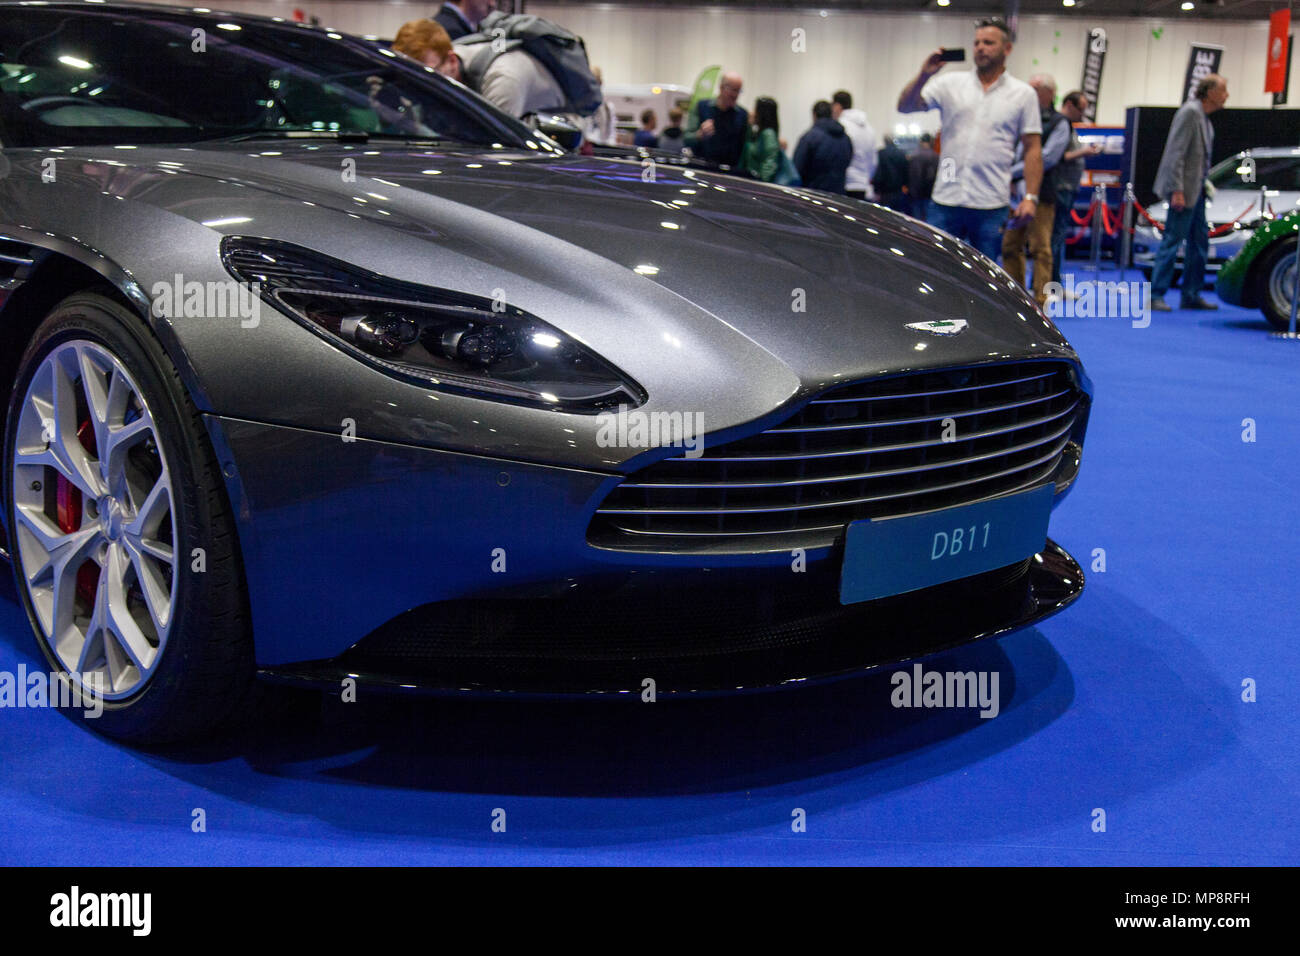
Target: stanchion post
x,y
1295,288
1098,226
1126,229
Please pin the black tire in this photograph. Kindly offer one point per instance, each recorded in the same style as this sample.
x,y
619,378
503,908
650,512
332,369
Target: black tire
x,y
204,671
1269,287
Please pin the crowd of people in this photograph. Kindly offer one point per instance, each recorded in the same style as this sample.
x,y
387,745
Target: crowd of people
x,y
1003,178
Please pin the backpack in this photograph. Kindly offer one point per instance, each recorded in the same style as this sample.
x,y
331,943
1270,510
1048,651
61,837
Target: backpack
x,y
562,53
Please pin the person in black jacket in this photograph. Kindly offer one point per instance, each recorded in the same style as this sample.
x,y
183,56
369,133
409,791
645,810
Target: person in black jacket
x,y
718,127
890,179
922,168
462,17
824,152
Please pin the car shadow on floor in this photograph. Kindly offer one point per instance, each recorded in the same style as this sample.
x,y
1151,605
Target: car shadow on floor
x,y
1258,324
625,746
586,772
670,747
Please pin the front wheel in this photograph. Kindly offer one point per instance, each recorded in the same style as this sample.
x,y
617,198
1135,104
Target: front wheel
x,y
124,551
1275,283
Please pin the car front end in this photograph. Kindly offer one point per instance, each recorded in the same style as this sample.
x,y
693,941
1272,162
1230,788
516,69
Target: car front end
x,y
484,417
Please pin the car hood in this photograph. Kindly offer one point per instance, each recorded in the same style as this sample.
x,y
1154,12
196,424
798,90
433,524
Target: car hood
x,y
795,271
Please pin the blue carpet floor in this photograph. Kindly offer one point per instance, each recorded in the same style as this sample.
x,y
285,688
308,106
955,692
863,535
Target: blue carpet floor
x,y
1130,701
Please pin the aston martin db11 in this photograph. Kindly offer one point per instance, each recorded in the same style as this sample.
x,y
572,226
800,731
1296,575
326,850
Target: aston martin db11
x,y
316,366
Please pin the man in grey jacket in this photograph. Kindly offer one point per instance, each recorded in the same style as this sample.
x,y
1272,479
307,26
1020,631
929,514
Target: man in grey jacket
x,y
1181,181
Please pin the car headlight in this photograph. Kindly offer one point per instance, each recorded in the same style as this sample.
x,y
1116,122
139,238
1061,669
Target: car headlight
x,y
440,338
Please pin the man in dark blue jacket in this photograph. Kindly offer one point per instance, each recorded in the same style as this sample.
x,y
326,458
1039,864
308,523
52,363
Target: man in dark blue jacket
x,y
462,17
824,152
890,178
718,127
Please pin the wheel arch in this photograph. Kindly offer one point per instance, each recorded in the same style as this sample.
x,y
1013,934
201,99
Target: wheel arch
x,y
1249,299
1273,234
1256,274
40,271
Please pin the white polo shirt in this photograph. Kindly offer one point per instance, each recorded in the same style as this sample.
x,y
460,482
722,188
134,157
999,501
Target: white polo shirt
x,y
980,131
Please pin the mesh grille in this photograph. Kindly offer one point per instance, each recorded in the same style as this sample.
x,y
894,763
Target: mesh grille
x,y
875,449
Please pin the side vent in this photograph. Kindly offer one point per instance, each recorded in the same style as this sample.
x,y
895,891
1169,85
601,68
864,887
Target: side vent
x,y
16,261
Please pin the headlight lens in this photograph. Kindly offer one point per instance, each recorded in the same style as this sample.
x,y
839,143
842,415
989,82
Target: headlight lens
x,y
436,337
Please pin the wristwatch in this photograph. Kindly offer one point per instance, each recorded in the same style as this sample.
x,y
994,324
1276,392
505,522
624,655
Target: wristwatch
x,y
1032,197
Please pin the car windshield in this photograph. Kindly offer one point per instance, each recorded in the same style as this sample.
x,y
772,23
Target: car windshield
x,y
140,77
1258,172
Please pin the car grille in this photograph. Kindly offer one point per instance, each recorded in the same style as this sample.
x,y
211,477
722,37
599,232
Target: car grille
x,y
880,448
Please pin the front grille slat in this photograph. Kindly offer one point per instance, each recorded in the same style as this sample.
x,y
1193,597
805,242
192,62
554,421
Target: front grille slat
x,y
918,421
878,449
946,391
766,509
1037,478
872,449
866,475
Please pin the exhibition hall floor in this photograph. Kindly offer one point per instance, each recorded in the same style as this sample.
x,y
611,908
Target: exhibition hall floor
x,y
1129,702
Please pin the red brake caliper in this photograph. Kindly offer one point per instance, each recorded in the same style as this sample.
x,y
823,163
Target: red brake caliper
x,y
68,498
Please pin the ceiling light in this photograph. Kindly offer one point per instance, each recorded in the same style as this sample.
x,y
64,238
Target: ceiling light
x,y
943,3
1188,5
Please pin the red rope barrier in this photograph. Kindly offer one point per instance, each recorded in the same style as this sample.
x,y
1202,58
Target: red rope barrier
x,y
1087,216
1159,226
1215,232
1111,227
1227,226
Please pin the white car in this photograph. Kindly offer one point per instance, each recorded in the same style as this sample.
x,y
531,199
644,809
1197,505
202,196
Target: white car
x,y
1269,175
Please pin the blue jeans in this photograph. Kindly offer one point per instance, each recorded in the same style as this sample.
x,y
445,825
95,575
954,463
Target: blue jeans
x,y
981,228
1186,226
1060,229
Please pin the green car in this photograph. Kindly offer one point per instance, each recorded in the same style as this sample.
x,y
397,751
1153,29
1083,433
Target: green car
x,y
1262,275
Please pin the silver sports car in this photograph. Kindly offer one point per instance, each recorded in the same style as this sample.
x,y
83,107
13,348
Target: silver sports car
x,y
316,367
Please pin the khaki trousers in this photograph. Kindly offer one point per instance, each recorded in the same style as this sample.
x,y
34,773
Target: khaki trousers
x,y
1038,234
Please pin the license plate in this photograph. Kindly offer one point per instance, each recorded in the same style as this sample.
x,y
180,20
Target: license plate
x,y
896,555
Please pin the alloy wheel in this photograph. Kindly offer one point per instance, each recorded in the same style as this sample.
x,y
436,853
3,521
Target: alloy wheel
x,y
95,524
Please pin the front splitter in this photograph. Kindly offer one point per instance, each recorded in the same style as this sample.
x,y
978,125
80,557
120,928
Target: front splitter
x,y
809,645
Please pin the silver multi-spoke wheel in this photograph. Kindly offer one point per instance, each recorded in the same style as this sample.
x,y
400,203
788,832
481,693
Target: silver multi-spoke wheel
x,y
94,517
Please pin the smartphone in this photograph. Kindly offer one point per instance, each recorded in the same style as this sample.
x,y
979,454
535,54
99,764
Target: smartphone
x,y
953,56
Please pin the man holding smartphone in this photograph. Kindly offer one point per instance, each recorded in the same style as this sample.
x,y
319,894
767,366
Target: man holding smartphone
x,y
984,114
